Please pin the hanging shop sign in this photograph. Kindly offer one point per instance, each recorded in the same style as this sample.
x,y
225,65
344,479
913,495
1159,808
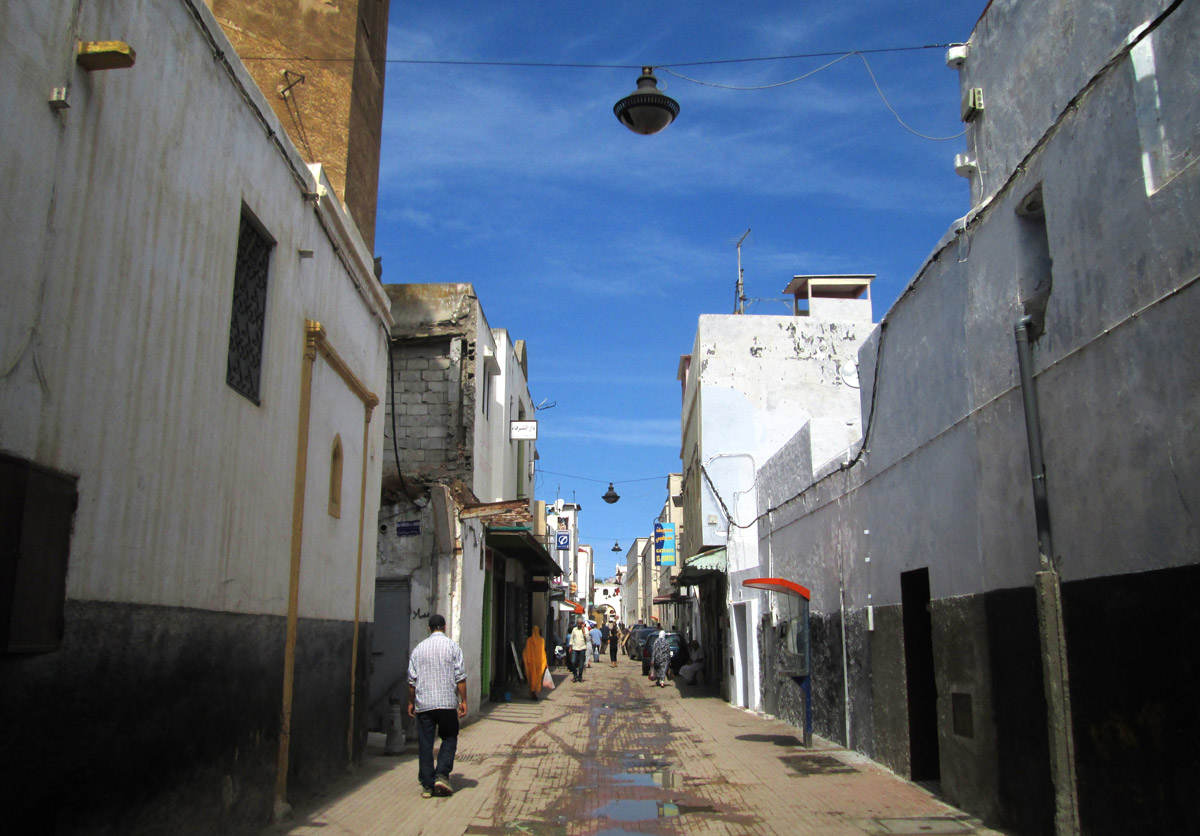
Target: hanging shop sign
x,y
664,544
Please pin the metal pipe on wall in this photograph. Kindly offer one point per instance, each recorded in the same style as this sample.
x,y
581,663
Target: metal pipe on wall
x,y
1051,628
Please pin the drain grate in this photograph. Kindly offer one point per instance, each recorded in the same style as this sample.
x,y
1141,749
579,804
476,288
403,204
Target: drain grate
x,y
777,739
805,765
928,824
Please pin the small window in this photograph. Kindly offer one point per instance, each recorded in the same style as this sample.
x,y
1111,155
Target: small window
x,y
247,322
37,509
335,478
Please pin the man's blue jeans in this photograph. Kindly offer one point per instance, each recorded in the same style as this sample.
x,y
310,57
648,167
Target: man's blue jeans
x,y
444,723
579,657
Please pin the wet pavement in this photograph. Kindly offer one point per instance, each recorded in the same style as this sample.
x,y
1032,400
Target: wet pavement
x,y
614,755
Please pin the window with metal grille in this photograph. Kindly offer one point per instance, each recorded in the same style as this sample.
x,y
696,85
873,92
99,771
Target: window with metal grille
x,y
249,316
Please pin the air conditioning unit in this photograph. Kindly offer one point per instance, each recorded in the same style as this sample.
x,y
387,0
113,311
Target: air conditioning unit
x,y
964,165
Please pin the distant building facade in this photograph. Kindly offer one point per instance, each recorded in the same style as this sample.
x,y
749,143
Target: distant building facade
x,y
332,109
457,530
748,384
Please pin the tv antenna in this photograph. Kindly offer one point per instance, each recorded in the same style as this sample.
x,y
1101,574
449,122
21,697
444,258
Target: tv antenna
x,y
739,301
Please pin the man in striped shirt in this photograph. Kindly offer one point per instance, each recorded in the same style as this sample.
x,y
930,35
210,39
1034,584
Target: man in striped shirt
x,y
437,698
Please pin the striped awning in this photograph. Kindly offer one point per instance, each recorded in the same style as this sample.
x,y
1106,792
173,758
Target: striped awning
x,y
704,565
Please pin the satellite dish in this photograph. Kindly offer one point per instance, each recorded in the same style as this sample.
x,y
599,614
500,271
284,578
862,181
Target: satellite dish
x,y
849,373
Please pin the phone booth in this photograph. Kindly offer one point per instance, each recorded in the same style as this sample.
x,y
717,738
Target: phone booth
x,y
792,640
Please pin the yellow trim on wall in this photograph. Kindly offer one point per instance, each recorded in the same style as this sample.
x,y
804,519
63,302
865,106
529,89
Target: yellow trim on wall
x,y
316,342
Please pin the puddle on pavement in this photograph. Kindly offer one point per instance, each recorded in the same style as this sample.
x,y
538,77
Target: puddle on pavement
x,y
664,778
648,810
643,760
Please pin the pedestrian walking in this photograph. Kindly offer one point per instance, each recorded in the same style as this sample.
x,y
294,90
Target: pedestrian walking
x,y
660,659
596,638
437,699
579,645
535,661
613,641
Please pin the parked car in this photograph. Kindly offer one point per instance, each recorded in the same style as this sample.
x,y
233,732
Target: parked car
x,y
678,653
636,638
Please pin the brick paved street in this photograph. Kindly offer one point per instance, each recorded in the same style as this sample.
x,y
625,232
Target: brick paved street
x,y
615,755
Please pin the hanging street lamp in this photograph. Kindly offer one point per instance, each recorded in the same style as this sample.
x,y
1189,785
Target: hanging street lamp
x,y
646,110
610,495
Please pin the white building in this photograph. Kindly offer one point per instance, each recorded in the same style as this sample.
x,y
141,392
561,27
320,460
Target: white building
x,y
608,599
458,535
193,343
634,583
750,383
570,595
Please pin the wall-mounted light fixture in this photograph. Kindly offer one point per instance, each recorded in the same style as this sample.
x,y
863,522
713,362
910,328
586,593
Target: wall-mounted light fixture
x,y
104,55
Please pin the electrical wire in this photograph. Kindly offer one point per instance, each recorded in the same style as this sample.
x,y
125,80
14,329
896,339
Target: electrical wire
x,y
601,481
888,105
667,68
870,72
759,87
579,66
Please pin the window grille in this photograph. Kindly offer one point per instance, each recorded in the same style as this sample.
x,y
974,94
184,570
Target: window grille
x,y
248,319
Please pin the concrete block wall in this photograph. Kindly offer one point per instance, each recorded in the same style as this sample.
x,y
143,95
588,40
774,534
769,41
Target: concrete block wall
x,y
427,381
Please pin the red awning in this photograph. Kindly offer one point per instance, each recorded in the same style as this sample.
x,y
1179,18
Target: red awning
x,y
571,607
778,585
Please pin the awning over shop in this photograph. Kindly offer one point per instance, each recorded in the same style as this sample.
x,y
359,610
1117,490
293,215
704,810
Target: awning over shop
x,y
672,599
571,607
519,543
704,565
779,585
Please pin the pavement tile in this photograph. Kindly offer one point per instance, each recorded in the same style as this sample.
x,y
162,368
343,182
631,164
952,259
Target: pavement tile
x,y
613,755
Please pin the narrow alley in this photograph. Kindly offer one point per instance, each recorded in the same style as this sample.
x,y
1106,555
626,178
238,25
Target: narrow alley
x,y
615,755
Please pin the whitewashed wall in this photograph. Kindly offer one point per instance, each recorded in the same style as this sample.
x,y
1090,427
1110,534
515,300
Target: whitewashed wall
x,y
115,329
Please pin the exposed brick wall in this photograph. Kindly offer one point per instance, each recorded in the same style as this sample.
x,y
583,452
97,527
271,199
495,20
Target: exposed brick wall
x,y
434,410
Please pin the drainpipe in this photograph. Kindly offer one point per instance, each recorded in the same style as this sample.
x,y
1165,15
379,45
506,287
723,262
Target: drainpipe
x,y
1050,614
845,662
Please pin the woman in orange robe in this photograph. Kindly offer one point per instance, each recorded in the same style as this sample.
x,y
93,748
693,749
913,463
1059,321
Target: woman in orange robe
x,y
535,661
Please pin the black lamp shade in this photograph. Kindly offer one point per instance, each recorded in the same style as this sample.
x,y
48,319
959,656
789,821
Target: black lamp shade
x,y
646,111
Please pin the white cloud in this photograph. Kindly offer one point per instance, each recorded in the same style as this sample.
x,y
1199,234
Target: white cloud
x,y
624,431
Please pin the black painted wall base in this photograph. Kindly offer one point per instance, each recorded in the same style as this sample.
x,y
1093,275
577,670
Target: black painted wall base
x,y
166,720
1134,657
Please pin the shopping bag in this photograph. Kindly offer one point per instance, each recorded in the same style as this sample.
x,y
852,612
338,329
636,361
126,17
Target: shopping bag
x,y
547,680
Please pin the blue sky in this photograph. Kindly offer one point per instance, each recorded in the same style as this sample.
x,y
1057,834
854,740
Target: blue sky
x,y
600,248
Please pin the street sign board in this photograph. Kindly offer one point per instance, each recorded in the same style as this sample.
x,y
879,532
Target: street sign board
x,y
562,541
522,430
